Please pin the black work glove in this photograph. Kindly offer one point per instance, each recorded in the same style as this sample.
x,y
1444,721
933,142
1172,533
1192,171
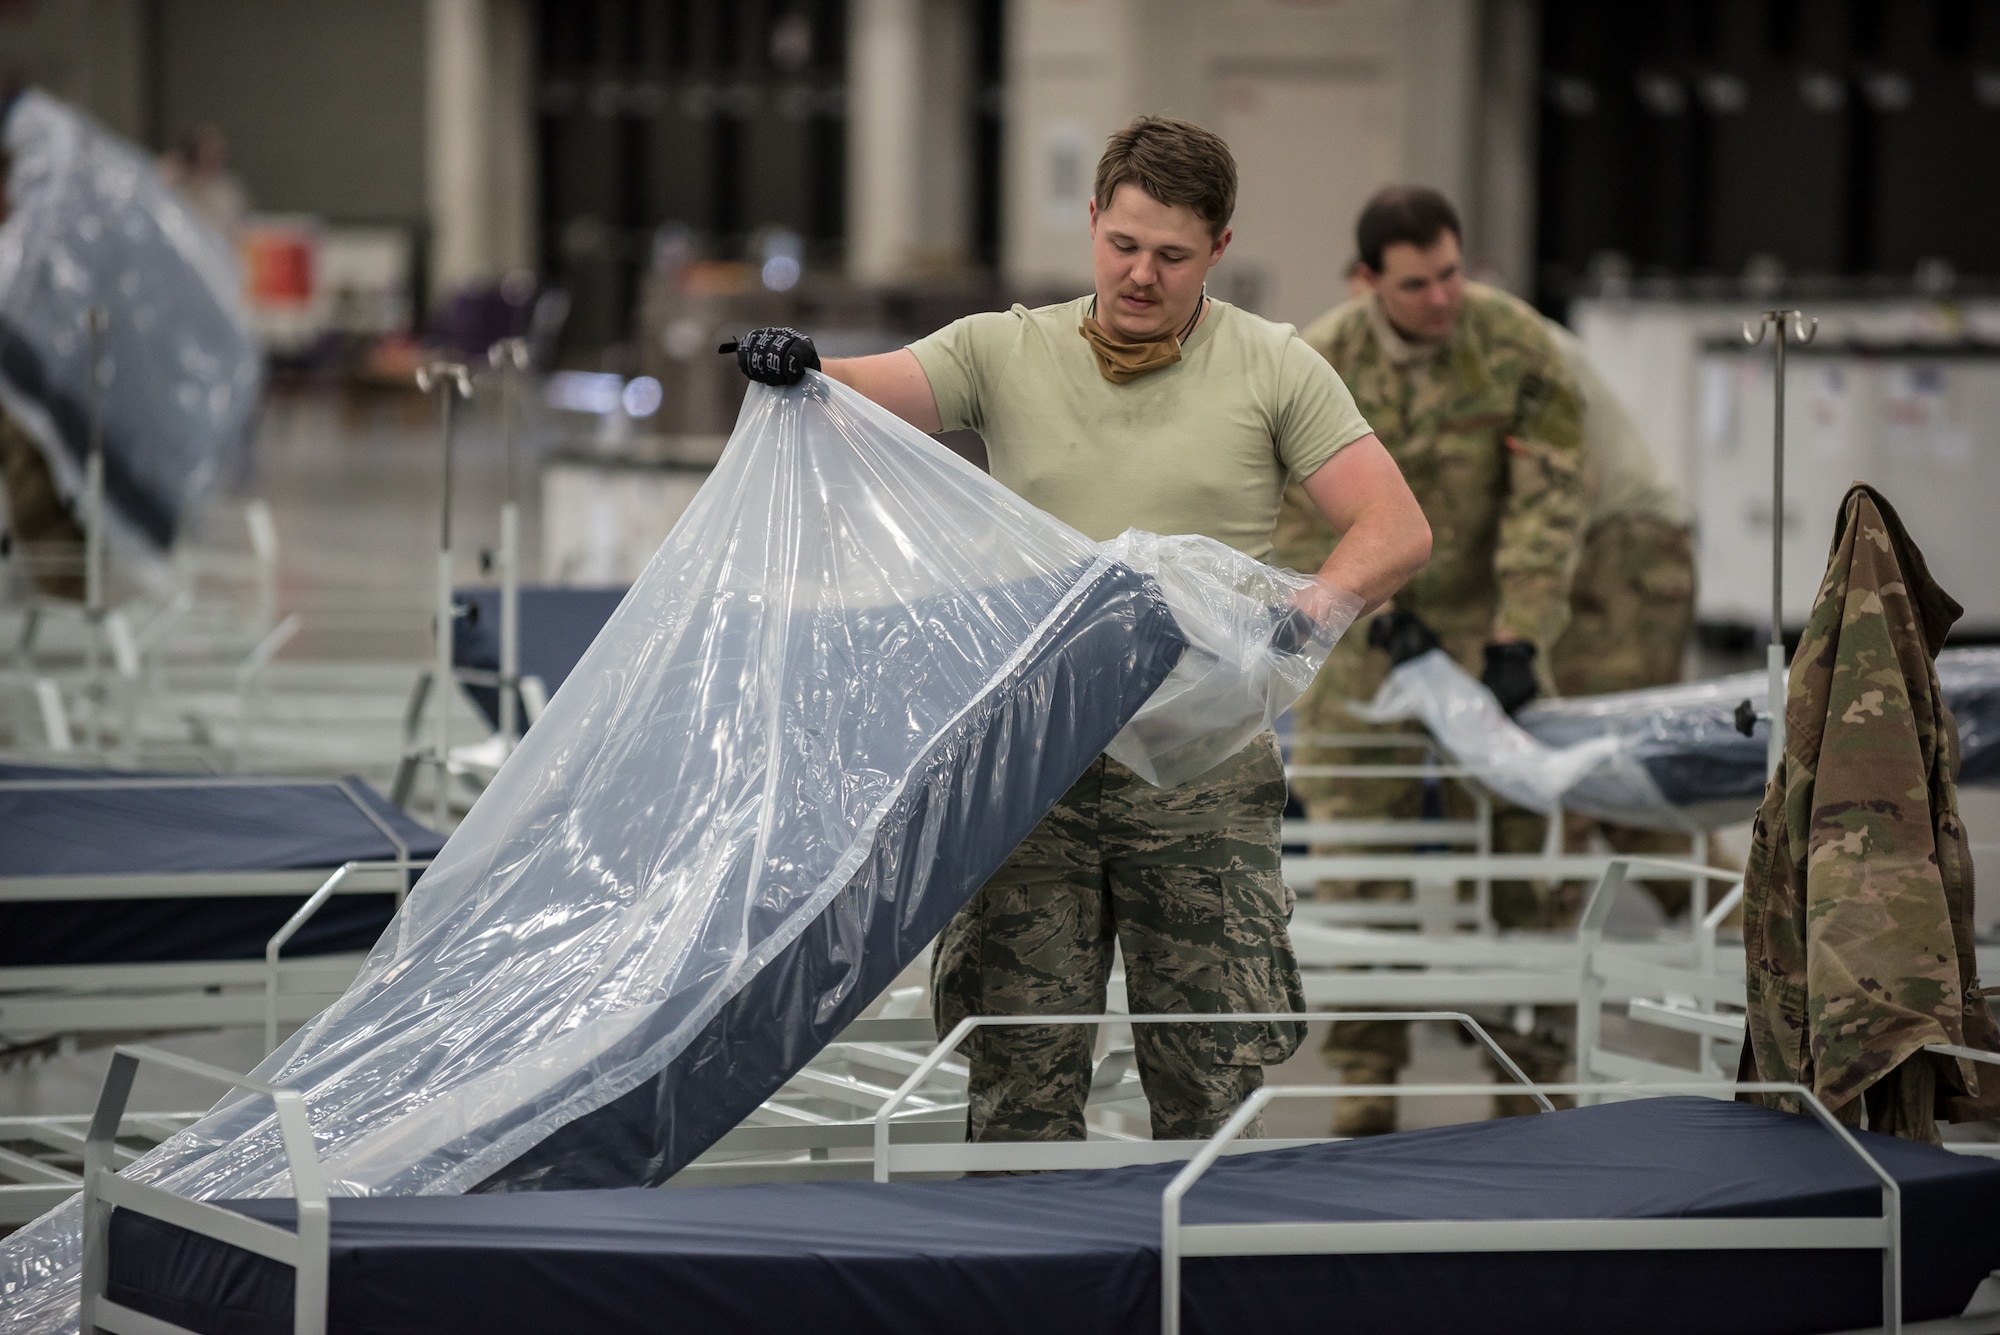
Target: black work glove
x,y
776,356
1403,634
1510,674
1292,630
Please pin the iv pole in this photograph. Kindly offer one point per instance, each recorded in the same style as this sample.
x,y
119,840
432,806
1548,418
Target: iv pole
x,y
1801,330
510,357
450,381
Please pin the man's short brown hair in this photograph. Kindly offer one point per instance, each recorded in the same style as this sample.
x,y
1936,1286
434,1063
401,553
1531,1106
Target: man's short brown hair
x,y
1413,215
1174,161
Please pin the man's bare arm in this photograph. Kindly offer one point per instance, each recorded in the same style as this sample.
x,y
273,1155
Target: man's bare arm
x,y
896,380
1384,538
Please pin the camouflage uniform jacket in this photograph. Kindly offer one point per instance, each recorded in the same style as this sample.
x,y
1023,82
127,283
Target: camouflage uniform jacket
x,y
1857,920
1488,429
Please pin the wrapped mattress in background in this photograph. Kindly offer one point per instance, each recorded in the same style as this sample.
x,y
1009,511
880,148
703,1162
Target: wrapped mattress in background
x,y
851,680
1667,758
91,224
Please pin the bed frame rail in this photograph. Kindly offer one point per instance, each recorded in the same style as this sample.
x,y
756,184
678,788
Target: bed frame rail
x,y
1018,1156
305,1250
1178,1240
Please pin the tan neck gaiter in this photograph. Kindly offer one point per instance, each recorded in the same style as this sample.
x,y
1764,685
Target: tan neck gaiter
x,y
1120,362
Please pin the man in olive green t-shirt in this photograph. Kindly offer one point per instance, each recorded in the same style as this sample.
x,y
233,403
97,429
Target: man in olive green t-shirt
x,y
1145,405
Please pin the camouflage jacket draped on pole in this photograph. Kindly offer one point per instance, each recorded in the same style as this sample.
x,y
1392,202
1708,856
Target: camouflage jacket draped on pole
x,y
1858,904
1488,429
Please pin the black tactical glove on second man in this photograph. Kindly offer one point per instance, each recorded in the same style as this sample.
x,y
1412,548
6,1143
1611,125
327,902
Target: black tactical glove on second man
x,y
1403,635
1510,674
775,356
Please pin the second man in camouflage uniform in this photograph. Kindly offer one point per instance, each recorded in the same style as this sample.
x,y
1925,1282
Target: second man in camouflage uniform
x,y
1631,604
1476,403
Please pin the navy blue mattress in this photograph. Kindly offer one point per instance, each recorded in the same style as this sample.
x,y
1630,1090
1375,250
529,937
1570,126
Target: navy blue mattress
x,y
1699,761
1079,1252
113,828
557,625
975,793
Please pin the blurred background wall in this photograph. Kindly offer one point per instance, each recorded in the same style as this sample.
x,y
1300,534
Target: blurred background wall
x,y
913,140
633,180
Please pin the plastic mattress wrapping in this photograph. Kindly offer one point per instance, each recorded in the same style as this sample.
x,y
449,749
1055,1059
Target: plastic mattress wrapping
x,y
91,224
1248,656
851,680
1668,758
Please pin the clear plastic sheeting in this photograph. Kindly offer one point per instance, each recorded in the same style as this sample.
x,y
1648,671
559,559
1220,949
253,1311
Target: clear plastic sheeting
x,y
1680,762
1464,718
852,678
1683,765
91,225
1668,758
1250,653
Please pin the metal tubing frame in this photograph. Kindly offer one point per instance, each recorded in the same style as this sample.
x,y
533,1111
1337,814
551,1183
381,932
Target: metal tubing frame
x,y
1079,1154
305,1250
31,1187
509,357
1591,978
1178,1240
450,381
314,902
1795,325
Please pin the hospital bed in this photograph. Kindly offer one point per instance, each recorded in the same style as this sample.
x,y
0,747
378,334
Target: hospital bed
x,y
1646,1214
556,625
1448,950
135,902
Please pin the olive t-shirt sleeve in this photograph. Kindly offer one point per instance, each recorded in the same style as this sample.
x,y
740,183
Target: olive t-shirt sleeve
x,y
1316,415
960,360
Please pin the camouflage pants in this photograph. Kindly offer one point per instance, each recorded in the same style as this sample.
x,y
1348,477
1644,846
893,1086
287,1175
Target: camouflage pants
x,y
1378,1049
1631,612
1631,608
1186,880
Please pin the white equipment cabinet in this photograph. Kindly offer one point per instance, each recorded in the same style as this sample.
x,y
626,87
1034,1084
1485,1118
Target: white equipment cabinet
x,y
1903,394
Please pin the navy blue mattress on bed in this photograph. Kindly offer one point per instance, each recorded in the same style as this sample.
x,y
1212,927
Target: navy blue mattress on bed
x,y
1079,1252
558,622
64,822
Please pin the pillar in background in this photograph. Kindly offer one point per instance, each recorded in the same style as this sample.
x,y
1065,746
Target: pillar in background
x,y
1439,65
944,205
885,131
1501,216
1075,73
478,101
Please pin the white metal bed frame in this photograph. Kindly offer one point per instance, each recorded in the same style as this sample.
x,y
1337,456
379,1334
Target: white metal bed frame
x,y
891,1158
1474,858
1179,1241
41,1158
306,1250
66,1000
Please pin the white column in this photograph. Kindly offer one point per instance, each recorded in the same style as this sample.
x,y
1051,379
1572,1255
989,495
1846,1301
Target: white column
x,y
1074,70
944,205
511,232
457,115
885,117
1440,75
